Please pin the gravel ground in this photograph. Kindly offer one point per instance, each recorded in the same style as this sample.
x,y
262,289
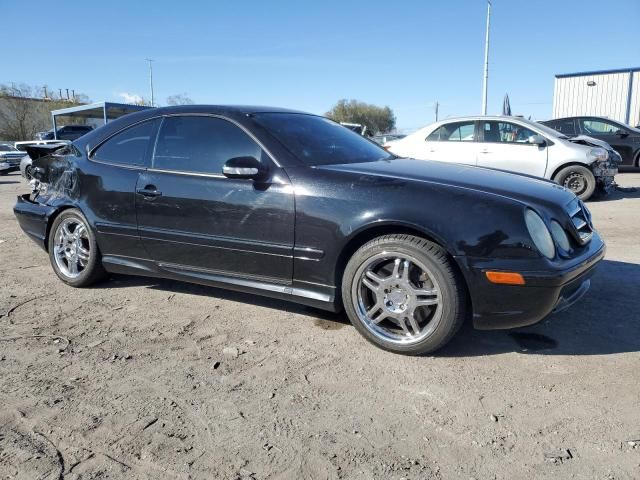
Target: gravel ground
x,y
157,379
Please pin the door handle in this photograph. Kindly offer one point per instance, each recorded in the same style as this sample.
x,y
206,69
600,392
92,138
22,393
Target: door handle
x,y
484,150
149,191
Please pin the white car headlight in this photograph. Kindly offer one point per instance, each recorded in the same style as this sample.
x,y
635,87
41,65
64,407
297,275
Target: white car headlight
x,y
560,236
4,164
539,234
598,154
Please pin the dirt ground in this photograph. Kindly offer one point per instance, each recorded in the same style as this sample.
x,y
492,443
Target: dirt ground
x,y
161,379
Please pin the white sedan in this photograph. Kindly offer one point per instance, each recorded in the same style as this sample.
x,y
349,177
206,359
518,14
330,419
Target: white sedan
x,y
515,144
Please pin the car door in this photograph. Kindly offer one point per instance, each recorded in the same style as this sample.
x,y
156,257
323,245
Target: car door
x,y
614,134
453,142
505,145
194,220
111,181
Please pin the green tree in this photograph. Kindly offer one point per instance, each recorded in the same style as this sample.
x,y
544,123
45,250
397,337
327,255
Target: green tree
x,y
179,99
376,119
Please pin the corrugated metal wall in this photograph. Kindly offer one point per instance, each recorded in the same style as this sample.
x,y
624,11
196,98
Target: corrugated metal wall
x,y
634,117
607,98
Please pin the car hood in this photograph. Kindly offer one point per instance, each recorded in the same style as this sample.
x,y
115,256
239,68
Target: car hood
x,y
589,141
518,187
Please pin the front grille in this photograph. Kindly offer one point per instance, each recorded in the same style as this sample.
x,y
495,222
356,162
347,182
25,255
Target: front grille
x,y
581,220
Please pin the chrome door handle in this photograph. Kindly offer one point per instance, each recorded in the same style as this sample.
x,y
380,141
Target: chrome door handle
x,y
149,191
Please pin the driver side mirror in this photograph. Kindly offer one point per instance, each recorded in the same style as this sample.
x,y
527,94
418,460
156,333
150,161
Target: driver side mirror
x,y
537,140
243,167
621,133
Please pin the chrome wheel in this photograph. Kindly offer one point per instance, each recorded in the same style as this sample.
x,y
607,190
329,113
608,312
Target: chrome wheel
x,y
397,298
576,182
72,250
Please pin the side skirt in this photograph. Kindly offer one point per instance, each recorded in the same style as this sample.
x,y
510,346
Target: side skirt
x,y
320,297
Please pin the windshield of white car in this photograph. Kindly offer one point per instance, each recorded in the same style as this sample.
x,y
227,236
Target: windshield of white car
x,y
319,141
6,148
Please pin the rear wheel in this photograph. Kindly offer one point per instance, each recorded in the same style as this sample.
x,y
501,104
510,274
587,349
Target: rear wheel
x,y
73,250
402,294
578,179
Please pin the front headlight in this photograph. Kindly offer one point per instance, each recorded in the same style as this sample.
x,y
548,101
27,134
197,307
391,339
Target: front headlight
x,y
560,236
539,234
598,154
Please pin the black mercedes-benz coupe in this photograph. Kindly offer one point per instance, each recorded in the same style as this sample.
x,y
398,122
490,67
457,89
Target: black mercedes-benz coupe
x,y
295,206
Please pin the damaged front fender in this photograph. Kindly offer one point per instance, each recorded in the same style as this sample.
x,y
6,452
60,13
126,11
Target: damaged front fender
x,y
604,170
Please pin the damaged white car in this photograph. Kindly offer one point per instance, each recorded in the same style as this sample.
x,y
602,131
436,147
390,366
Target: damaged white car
x,y
581,164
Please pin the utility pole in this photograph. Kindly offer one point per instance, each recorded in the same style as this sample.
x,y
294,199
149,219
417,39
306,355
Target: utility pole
x,y
436,108
150,77
486,61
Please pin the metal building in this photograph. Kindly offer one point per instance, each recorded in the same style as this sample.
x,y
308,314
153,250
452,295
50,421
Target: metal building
x,y
98,112
606,93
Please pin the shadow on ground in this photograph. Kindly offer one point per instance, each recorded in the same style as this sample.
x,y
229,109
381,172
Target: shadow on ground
x,y
619,193
606,321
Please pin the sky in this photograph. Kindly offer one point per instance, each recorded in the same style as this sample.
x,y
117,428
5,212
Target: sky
x,y
307,55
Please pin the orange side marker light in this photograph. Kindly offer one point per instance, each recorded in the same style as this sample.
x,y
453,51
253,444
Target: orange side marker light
x,y
505,278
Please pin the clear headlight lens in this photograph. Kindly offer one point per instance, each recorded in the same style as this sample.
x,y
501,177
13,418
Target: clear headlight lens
x,y
598,154
539,234
560,236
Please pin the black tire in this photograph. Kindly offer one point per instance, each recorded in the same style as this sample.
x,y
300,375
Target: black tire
x,y
28,172
578,179
451,289
93,271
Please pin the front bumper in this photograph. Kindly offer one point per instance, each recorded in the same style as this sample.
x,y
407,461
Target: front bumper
x,y
33,218
546,291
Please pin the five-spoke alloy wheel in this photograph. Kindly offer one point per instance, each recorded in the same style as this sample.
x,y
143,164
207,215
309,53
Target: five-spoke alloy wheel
x,y
402,294
73,250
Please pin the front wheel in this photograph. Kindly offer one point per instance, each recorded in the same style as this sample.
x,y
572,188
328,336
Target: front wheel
x,y
578,179
402,294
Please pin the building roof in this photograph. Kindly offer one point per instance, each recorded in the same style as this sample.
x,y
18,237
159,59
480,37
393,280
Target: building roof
x,y
598,72
98,109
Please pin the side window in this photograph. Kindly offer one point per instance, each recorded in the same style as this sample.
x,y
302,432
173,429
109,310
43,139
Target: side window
x,y
201,144
564,126
598,127
505,132
454,132
128,147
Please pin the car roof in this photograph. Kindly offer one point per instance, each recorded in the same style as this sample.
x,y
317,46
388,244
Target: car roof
x,y
220,109
97,135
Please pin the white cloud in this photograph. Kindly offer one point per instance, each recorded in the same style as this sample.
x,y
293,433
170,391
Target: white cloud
x,y
130,97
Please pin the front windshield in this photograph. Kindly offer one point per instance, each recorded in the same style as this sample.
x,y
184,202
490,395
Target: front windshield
x,y
319,141
624,126
6,148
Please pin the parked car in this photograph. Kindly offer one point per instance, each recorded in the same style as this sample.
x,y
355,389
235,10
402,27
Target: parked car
x,y
10,158
387,137
68,132
623,138
25,162
294,206
509,143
